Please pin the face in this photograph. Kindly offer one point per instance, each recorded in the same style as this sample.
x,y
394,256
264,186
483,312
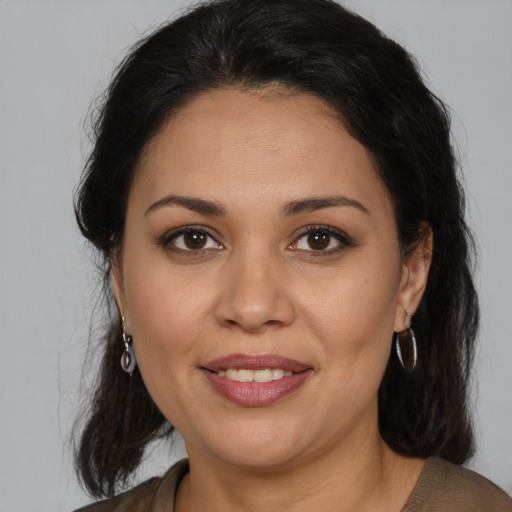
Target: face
x,y
261,278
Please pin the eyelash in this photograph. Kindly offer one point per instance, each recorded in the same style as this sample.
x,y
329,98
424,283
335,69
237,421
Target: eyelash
x,y
169,240
343,240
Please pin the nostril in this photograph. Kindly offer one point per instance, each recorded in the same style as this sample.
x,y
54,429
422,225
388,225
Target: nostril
x,y
253,305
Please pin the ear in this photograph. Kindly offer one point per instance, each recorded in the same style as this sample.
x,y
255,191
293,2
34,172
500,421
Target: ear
x,y
116,279
414,279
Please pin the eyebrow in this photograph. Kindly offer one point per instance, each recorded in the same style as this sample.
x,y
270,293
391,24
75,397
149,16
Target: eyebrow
x,y
291,208
318,203
194,204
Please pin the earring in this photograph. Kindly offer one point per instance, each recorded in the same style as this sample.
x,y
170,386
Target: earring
x,y
128,361
405,344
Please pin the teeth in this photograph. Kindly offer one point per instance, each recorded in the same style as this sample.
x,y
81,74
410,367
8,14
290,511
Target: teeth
x,y
244,375
262,375
232,374
277,373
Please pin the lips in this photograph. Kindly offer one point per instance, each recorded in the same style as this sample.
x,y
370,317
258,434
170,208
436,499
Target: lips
x,y
255,381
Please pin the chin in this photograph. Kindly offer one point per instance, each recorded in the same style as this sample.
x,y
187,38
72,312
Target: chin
x,y
256,445
260,460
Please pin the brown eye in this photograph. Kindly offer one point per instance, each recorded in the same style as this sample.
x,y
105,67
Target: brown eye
x,y
322,240
318,241
195,240
190,240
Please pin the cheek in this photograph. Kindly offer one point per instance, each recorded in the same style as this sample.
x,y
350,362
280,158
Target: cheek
x,y
168,318
166,311
353,315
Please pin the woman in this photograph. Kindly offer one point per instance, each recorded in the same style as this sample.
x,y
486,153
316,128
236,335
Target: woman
x,y
275,199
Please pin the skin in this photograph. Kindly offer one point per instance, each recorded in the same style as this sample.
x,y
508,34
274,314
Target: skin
x,y
258,286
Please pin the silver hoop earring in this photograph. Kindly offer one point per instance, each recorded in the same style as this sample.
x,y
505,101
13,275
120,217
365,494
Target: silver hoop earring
x,y
128,361
405,345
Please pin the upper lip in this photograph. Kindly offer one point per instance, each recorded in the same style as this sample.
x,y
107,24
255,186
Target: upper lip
x,y
255,362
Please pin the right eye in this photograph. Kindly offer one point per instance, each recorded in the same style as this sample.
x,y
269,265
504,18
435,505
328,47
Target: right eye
x,y
190,239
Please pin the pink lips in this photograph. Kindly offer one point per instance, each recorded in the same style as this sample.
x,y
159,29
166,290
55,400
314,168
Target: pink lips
x,y
255,394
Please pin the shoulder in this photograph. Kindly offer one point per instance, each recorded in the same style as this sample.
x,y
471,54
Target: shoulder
x,y
444,487
139,496
150,495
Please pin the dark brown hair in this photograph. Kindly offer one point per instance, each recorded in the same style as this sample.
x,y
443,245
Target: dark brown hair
x,y
318,47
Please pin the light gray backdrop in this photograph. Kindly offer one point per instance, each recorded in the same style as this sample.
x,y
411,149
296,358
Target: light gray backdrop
x,y
55,56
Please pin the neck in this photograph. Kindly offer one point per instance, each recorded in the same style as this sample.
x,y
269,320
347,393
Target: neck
x,y
364,476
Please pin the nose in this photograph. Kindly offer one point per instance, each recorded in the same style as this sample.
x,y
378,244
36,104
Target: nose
x,y
254,294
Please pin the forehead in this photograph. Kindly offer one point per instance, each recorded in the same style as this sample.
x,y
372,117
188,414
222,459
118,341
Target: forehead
x,y
275,144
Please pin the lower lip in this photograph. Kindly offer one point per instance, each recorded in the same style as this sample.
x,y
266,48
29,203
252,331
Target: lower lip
x,y
256,394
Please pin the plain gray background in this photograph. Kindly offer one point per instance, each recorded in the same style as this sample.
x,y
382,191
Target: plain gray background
x,y
55,57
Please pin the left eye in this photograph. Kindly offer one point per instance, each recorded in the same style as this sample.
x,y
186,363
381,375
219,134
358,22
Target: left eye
x,y
318,240
193,240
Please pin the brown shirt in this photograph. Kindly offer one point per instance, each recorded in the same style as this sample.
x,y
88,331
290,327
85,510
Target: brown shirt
x,y
442,487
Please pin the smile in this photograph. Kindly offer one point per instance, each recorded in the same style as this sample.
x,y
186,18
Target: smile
x,y
246,375
255,381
